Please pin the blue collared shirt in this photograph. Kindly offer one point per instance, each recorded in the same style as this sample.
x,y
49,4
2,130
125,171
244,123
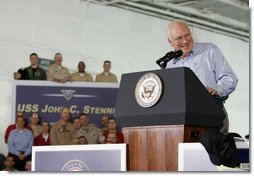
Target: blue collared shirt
x,y
20,141
210,66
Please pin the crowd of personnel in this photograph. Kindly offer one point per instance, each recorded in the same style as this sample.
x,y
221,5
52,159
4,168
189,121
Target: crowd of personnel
x,y
59,73
32,131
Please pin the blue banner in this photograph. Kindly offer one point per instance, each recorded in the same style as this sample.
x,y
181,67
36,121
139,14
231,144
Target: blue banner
x,y
48,98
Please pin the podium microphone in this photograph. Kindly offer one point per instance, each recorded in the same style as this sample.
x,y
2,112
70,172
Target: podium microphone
x,y
164,57
176,54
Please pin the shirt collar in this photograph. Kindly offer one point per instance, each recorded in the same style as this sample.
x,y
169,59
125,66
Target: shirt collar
x,y
193,52
106,73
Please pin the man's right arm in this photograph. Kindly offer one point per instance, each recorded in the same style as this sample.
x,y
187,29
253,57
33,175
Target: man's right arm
x,y
53,136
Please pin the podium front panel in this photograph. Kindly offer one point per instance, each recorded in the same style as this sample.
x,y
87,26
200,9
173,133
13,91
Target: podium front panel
x,y
184,100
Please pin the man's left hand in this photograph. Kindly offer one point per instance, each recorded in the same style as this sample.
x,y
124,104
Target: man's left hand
x,y
212,91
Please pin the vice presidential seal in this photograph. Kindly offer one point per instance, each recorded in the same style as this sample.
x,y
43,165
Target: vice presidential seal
x,y
75,165
148,90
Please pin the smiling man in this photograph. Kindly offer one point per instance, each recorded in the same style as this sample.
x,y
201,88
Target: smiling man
x,y
206,61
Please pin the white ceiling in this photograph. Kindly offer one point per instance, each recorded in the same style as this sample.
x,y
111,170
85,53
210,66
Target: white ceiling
x,y
229,17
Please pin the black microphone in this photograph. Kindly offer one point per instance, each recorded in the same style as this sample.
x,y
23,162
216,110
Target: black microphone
x,y
176,54
164,57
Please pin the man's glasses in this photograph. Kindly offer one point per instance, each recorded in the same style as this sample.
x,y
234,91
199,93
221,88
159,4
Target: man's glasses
x,y
181,38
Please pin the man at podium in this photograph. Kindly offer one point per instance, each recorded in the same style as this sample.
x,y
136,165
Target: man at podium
x,y
206,61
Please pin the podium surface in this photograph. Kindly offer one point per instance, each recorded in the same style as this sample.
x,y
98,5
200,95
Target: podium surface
x,y
182,112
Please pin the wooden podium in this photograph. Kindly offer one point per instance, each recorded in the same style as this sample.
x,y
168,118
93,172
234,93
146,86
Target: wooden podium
x,y
183,112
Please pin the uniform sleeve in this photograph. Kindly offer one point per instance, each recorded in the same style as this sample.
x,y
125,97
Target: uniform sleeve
x,y
101,137
44,75
116,81
11,145
50,73
28,151
120,138
90,78
68,74
6,135
53,135
97,78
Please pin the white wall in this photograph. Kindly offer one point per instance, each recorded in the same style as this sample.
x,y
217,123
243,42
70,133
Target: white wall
x,y
93,33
